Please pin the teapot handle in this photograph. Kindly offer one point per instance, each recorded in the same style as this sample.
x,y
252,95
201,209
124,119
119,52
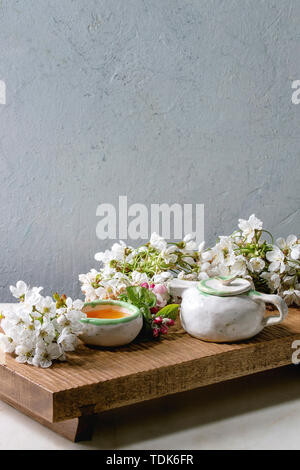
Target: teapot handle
x,y
275,300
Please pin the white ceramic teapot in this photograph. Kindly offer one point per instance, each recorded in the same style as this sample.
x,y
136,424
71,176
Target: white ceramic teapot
x,y
225,309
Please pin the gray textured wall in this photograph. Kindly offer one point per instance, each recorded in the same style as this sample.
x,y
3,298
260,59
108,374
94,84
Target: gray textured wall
x,y
160,100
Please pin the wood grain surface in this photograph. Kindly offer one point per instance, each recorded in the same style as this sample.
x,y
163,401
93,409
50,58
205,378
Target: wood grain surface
x,y
95,380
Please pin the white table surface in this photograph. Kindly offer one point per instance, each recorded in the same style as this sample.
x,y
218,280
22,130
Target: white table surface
x,y
261,411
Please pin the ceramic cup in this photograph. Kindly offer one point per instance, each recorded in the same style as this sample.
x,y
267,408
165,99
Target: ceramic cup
x,y
111,332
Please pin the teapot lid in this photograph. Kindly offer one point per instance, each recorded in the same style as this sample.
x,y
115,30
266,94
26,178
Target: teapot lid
x,y
224,286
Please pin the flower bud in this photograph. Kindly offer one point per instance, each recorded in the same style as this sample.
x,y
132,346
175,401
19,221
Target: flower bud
x,y
154,310
158,320
145,284
160,289
164,329
155,332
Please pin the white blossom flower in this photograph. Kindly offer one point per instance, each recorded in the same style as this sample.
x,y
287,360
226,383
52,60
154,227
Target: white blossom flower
x,y
139,278
295,252
10,320
37,331
89,292
290,246
273,280
190,277
168,255
117,252
46,330
276,258
77,305
286,245
256,264
103,256
89,277
98,293
238,268
189,260
67,340
46,305
19,290
158,242
70,317
45,355
32,297
205,266
201,247
249,226
292,296
162,277
290,279
115,285
190,244
208,255
25,352
12,332
223,252
87,287
7,344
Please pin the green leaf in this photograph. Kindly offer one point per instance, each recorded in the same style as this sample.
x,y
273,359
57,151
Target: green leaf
x,y
140,296
145,310
56,297
169,311
60,300
123,297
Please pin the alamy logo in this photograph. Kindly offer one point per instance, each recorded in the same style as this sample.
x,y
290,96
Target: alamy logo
x,y
296,93
136,222
2,92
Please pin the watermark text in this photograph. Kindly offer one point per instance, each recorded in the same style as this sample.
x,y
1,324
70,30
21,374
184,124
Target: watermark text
x,y
137,221
2,92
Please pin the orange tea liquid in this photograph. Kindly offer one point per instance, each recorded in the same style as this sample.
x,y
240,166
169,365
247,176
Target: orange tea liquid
x,y
107,313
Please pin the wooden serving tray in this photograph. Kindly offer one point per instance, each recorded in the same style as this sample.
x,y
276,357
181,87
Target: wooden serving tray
x,y
67,396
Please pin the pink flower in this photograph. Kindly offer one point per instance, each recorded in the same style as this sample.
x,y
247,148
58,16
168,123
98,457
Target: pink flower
x,y
164,329
154,310
160,289
145,284
152,286
160,301
155,332
162,295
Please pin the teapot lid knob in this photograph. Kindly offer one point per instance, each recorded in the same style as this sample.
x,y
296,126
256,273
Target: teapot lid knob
x,y
224,286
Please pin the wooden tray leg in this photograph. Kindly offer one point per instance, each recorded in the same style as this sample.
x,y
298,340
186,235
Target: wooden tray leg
x,y
77,429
